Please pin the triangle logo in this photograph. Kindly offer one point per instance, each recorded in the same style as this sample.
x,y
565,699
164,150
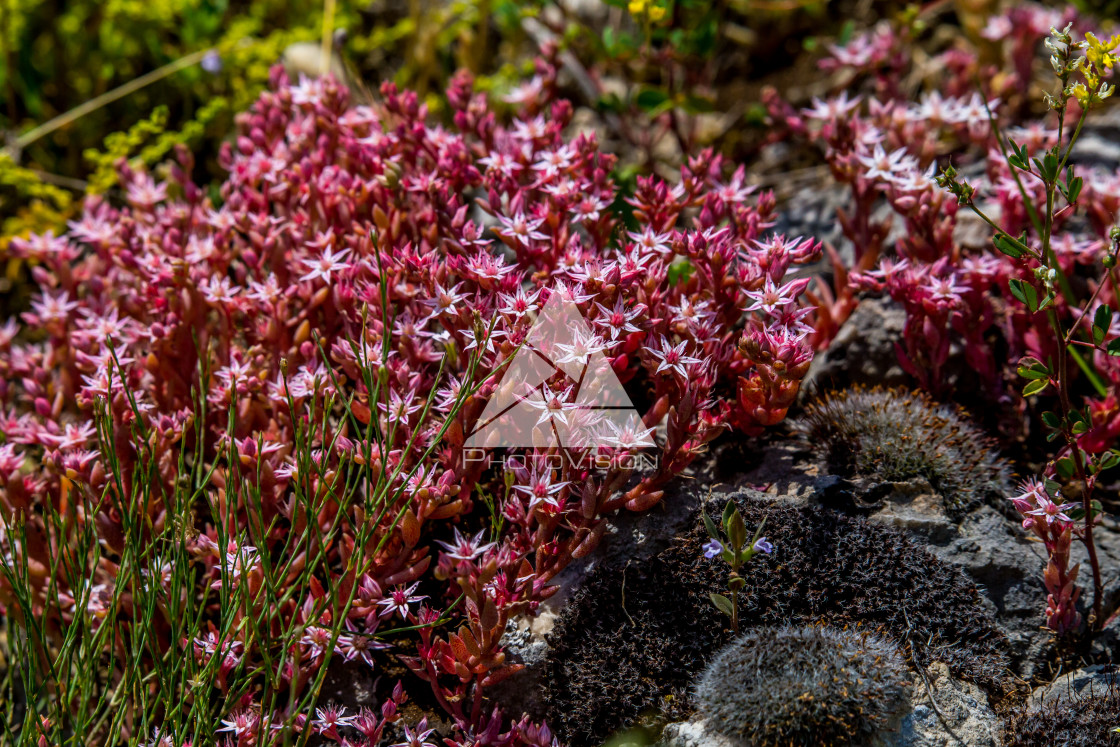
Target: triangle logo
x,y
560,391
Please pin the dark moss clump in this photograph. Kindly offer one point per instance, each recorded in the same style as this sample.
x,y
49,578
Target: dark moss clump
x,y
810,685
631,642
890,435
1083,721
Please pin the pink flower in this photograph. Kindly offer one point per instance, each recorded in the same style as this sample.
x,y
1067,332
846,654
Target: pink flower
x,y
618,320
324,265
416,738
1052,512
53,307
519,303
541,488
329,718
521,228
884,166
554,406
463,549
241,723
672,357
772,298
399,600
837,107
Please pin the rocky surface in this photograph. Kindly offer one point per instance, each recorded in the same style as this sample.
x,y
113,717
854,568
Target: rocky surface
x,y
945,712
1004,561
987,544
692,734
1091,681
863,352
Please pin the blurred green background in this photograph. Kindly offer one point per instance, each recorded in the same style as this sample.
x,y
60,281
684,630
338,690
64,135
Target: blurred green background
x,y
660,77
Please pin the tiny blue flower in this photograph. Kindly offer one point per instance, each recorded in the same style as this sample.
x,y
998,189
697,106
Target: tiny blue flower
x,y
763,546
212,62
712,549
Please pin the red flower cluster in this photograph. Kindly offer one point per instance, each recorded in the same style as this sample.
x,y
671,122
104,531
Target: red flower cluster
x,y
365,270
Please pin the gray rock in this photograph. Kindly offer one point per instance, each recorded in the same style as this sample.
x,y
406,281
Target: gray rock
x,y
305,58
592,12
1004,561
1099,143
525,642
863,351
1091,681
692,734
971,232
810,209
914,506
945,712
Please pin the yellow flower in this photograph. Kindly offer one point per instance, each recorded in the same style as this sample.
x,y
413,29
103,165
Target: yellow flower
x,y
1083,95
656,13
636,7
1100,54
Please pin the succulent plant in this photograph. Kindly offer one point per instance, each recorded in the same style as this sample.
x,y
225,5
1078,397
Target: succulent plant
x,y
889,435
803,685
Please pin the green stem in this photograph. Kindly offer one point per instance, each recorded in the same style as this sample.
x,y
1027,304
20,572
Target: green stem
x,y
109,97
735,611
328,33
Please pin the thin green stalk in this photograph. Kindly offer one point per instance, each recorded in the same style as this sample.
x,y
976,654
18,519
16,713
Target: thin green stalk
x,y
109,97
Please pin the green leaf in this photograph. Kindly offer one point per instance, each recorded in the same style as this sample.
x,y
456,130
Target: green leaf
x,y
1018,159
649,99
723,604
1108,460
1051,419
1064,468
1032,368
609,42
727,511
697,104
1095,510
1074,190
1006,246
710,526
680,271
1102,320
1113,347
1026,293
1047,167
737,531
1034,387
